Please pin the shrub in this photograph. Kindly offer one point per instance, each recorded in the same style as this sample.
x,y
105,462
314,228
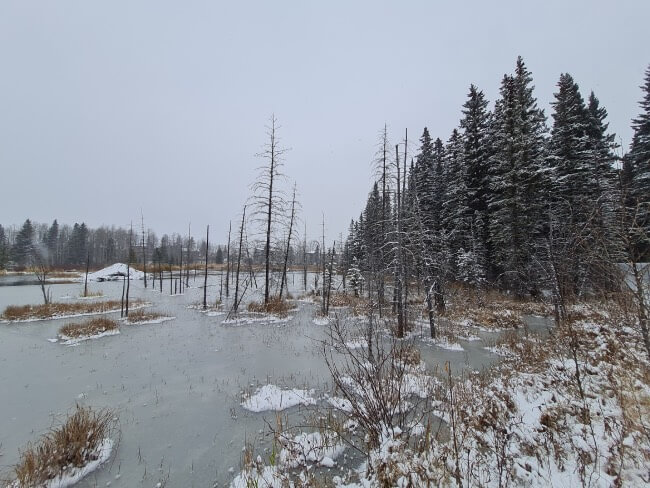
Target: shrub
x,y
91,327
72,445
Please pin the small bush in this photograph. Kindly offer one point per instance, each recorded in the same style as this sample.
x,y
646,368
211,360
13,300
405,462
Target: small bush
x,y
143,316
275,306
91,327
72,445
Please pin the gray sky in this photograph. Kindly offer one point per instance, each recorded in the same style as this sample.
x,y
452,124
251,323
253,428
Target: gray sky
x,y
97,98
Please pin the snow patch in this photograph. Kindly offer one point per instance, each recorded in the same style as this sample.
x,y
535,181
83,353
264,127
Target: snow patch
x,y
271,397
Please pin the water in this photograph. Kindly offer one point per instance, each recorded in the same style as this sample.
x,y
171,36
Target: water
x,y
176,386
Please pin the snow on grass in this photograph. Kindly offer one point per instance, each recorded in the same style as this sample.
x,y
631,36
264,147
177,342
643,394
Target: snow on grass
x,y
258,477
146,321
357,343
321,320
339,403
74,475
73,341
257,318
316,447
271,397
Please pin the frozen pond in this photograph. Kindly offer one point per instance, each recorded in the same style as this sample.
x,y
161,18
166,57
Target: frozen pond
x,y
176,386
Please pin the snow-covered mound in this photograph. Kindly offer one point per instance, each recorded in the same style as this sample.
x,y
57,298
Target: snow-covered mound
x,y
114,272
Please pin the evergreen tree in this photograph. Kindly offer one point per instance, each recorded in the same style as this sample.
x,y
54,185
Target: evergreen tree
x,y
219,256
23,249
572,178
4,249
476,154
516,184
638,161
52,242
456,213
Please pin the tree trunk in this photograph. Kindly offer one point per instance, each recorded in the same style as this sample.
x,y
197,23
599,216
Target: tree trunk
x,y
241,240
228,262
205,277
286,254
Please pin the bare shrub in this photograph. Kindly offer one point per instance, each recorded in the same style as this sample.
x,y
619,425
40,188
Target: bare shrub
x,y
91,327
142,315
71,445
275,306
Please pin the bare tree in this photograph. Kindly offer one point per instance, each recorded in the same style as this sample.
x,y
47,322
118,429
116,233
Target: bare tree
x,y
268,200
41,270
128,271
86,278
292,218
235,305
144,252
205,277
228,261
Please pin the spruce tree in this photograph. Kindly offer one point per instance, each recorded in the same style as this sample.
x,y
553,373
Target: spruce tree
x,y
638,167
516,180
23,249
476,154
4,250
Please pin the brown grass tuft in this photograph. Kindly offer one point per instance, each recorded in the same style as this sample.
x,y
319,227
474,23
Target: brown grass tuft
x,y
143,316
73,444
91,327
275,306
26,312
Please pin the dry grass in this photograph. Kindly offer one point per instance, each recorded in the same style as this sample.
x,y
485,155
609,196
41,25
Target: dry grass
x,y
26,312
73,444
492,309
142,315
275,306
93,294
357,305
91,327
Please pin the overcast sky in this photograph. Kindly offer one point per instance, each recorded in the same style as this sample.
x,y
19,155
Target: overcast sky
x,y
107,108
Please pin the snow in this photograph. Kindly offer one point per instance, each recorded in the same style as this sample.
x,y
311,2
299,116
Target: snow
x,y
73,341
260,477
342,404
114,272
271,397
158,320
321,320
74,475
358,343
257,318
316,447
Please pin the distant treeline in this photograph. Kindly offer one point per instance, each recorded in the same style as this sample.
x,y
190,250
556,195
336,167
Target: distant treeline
x,y
65,246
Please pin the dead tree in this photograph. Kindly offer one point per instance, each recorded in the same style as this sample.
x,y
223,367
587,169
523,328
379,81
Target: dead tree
x,y
128,271
41,270
292,218
304,259
268,199
144,253
322,260
228,261
86,279
241,241
205,277
189,257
